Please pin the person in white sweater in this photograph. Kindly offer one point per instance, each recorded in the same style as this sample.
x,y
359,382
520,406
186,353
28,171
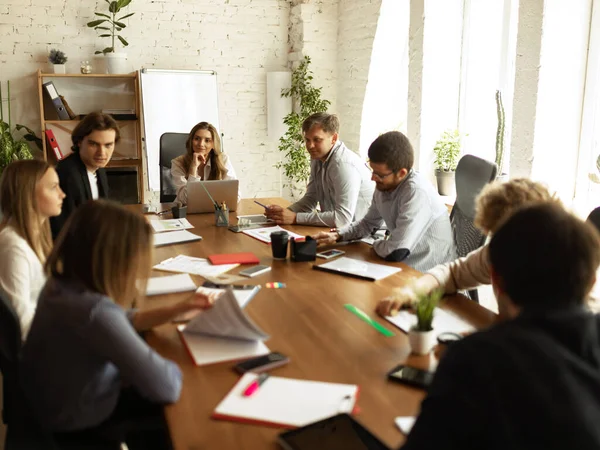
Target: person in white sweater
x,y
29,195
203,160
494,205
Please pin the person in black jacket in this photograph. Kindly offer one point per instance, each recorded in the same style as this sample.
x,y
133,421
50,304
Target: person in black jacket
x,y
533,381
82,175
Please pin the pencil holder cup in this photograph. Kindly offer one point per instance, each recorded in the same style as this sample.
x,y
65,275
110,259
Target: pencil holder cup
x,y
222,217
279,244
304,250
179,212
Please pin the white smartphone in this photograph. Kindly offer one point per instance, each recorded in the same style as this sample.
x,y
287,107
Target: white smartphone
x,y
328,254
254,271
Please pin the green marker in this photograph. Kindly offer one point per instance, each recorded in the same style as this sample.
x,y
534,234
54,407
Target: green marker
x,y
363,315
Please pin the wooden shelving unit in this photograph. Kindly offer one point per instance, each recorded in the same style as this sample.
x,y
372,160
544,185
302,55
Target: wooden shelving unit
x,y
94,92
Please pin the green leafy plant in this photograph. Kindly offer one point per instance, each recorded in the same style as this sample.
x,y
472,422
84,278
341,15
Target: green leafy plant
x,y
114,24
57,57
447,150
307,99
11,148
424,309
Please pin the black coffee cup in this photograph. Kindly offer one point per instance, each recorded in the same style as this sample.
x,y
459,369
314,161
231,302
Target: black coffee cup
x,y
279,244
179,212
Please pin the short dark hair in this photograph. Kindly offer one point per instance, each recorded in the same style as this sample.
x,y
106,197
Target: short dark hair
x,y
545,256
328,122
393,149
93,122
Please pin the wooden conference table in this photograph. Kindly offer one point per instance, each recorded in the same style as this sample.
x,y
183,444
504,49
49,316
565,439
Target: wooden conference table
x,y
308,323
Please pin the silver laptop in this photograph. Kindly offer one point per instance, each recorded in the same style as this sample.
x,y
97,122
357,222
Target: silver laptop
x,y
220,190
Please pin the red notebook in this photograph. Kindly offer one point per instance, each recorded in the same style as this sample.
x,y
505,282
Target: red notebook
x,y
234,258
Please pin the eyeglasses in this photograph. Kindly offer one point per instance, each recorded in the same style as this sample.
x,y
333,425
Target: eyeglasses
x,y
381,177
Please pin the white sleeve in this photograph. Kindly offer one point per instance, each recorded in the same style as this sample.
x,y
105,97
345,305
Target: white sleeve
x,y
180,180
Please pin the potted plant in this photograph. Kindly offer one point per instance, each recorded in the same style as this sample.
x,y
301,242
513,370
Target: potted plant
x,y
58,60
307,100
421,336
110,26
447,153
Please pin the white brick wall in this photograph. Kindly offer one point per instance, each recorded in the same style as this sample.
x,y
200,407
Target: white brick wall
x,y
357,26
240,39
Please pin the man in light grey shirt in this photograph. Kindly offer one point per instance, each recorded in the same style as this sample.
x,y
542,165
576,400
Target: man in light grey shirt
x,y
340,183
405,202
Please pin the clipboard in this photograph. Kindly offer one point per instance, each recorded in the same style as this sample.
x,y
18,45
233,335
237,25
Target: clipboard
x,y
56,101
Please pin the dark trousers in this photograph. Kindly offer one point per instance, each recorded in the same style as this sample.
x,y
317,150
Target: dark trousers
x,y
136,421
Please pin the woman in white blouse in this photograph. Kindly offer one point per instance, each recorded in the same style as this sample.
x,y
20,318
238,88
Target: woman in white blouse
x,y
203,160
29,195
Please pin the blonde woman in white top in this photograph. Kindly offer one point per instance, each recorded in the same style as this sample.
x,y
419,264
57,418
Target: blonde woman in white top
x,y
29,195
496,203
203,160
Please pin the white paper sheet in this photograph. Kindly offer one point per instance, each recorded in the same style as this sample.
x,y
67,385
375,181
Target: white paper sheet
x,y
350,266
264,234
175,237
160,226
443,321
405,424
170,284
243,296
195,266
287,401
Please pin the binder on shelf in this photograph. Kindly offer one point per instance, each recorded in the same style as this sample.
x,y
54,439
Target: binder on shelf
x,y
54,144
56,101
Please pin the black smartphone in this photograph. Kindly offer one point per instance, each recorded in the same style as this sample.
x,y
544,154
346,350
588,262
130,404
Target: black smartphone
x,y
341,432
262,363
411,376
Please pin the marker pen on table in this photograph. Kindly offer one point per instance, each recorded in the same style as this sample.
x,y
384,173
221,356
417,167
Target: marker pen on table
x,y
254,385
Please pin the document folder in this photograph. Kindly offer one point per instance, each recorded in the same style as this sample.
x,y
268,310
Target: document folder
x,y
54,145
56,101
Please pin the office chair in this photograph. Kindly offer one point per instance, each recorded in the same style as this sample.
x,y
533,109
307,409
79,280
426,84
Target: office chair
x,y
594,218
472,174
172,145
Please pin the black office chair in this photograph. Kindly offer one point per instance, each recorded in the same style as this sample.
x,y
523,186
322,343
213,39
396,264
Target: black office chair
x,y
472,174
594,218
172,145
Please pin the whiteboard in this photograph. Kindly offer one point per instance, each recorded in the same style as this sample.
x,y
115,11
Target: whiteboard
x,y
175,101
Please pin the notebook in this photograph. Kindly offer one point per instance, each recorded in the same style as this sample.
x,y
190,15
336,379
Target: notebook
x,y
224,332
193,265
358,269
170,284
160,226
286,402
443,322
234,258
175,237
264,234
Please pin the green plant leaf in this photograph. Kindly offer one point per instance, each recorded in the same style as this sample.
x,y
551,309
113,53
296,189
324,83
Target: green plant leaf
x,y
124,3
102,28
106,35
123,41
108,50
113,7
95,23
102,15
120,24
125,17
98,52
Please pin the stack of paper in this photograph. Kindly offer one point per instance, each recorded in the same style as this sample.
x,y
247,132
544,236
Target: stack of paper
x,y
443,321
170,284
358,269
160,226
195,266
286,402
175,237
224,332
264,234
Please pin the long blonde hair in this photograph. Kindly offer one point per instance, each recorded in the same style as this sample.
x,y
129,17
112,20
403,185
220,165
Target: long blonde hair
x,y
217,166
106,249
19,204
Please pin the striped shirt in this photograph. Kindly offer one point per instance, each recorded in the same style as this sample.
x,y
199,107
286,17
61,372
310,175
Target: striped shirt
x,y
418,221
81,350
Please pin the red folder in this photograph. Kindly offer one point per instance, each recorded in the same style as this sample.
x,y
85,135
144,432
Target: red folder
x,y
234,258
54,144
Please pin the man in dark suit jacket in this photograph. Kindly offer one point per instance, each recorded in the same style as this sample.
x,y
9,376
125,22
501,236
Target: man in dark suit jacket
x,y
531,382
82,175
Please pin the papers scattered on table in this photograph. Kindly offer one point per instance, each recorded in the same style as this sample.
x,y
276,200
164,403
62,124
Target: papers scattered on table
x,y
170,284
195,266
264,234
224,332
170,225
357,268
443,321
405,424
174,237
286,401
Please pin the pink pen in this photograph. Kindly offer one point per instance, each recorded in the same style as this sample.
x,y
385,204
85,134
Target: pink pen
x,y
253,386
